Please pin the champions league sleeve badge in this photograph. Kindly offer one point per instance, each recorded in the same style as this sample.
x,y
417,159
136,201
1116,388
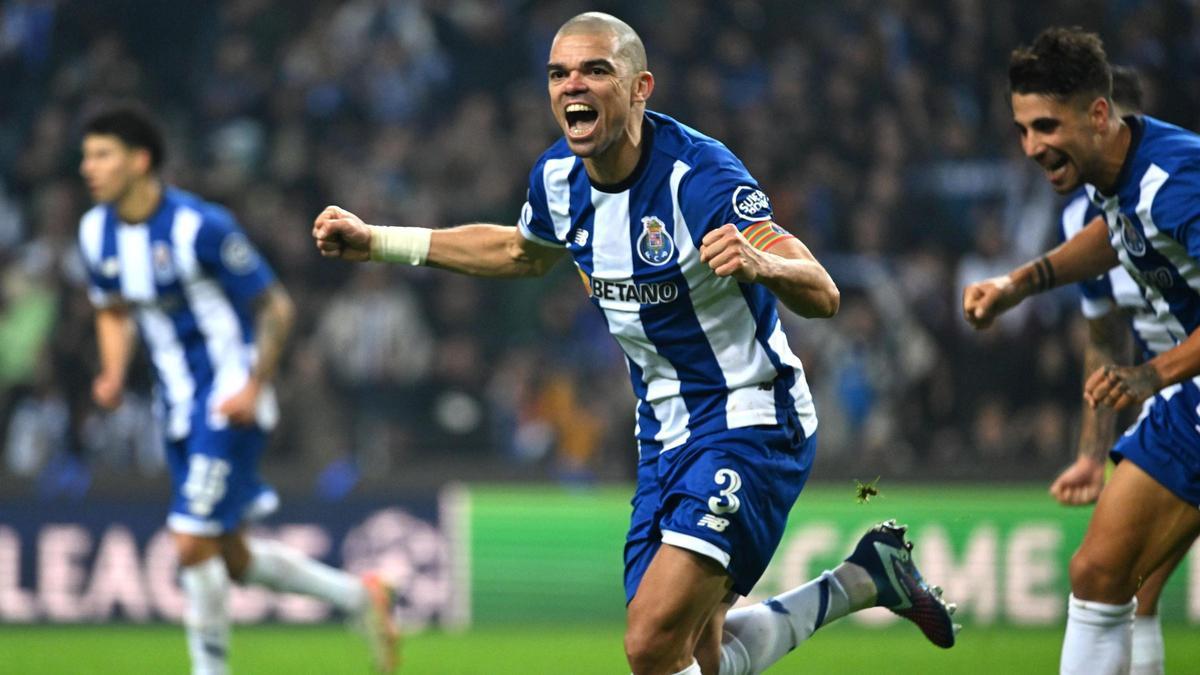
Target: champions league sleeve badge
x,y
237,254
655,246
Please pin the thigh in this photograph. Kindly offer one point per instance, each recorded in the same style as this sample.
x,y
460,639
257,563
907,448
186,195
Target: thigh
x,y
193,549
708,646
1138,524
679,593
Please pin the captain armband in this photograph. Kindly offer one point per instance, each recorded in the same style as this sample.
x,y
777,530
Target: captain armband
x,y
407,245
763,236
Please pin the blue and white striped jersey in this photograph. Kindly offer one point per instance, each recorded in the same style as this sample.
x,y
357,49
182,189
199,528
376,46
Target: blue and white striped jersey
x,y
189,275
1114,289
1154,220
705,353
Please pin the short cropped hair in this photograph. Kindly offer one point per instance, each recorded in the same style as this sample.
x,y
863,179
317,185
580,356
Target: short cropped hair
x,y
133,126
1063,64
629,43
1127,88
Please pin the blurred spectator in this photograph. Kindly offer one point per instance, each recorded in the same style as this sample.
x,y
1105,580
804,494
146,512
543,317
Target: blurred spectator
x,y
880,130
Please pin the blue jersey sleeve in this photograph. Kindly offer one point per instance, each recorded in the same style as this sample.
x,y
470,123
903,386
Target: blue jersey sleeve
x,y
720,190
223,250
535,223
1176,209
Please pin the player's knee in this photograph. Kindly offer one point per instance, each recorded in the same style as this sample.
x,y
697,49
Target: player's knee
x,y
652,647
1101,580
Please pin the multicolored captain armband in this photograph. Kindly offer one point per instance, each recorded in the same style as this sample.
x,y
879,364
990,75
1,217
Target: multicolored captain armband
x,y
766,234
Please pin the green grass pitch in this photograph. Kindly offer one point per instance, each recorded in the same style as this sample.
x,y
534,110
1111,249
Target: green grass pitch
x,y
577,650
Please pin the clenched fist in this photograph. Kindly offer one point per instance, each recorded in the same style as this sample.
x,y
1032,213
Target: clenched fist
x,y
985,300
1119,387
341,234
728,253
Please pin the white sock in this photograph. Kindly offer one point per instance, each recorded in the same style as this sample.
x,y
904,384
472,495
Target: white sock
x,y
1099,638
206,620
693,669
282,568
1148,652
756,637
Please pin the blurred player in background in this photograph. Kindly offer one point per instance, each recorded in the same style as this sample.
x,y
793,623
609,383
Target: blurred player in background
x,y
215,321
1117,316
1144,175
676,245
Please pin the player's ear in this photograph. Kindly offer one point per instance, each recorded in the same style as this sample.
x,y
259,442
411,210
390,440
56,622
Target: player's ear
x,y
141,161
1098,113
643,86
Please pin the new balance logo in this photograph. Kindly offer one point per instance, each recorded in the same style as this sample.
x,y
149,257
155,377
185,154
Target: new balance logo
x,y
713,522
581,237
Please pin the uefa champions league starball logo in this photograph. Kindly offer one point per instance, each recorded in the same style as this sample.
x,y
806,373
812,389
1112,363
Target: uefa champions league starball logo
x,y
655,245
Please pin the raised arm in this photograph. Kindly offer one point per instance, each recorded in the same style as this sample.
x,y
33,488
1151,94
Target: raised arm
x,y
478,249
115,335
788,269
1086,255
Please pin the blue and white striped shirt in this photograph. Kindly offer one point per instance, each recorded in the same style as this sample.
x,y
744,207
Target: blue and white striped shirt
x,y
190,275
1153,221
705,353
1114,289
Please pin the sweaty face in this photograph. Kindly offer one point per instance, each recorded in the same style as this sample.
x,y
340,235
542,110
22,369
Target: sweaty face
x,y
589,91
1057,135
108,167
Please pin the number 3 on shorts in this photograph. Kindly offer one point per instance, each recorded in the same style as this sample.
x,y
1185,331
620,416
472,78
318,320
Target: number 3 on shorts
x,y
726,501
205,484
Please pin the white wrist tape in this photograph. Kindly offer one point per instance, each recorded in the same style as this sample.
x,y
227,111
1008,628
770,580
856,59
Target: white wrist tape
x,y
408,245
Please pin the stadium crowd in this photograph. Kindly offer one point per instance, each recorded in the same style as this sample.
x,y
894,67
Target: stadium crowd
x,y
879,129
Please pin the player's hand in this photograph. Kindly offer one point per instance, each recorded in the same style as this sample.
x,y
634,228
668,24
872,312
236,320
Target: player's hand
x,y
729,254
985,300
107,390
1079,483
1119,387
341,234
242,407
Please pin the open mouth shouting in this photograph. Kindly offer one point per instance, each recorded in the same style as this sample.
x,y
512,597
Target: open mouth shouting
x,y
1055,164
581,121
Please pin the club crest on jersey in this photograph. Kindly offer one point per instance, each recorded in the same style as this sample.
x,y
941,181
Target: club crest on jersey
x,y
751,204
1130,237
164,264
655,245
110,267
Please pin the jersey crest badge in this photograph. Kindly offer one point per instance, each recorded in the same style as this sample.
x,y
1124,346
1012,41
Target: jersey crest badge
x,y
110,267
164,266
1131,238
655,246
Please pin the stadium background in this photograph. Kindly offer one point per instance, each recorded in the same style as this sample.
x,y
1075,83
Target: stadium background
x,y
475,437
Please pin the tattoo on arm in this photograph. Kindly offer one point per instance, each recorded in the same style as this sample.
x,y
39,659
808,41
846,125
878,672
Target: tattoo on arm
x,y
273,325
1143,379
1043,275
